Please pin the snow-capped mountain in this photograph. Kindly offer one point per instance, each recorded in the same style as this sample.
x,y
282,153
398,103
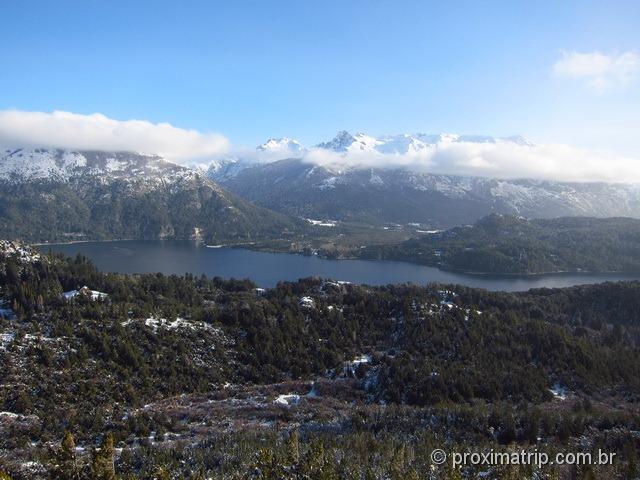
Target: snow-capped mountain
x,y
406,143
294,186
224,168
62,194
298,186
385,195
286,146
276,149
31,165
345,142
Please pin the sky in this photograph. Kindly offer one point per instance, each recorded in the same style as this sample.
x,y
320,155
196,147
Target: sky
x,y
221,74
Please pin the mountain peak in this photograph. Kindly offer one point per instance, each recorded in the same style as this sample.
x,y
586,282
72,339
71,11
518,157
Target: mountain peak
x,y
340,143
280,145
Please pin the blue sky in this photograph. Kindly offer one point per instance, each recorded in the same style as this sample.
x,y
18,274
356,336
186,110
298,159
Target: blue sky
x,y
257,69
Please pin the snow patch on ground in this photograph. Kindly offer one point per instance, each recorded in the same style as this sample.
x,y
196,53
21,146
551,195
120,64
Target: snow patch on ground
x,y
287,400
9,415
94,294
350,367
18,250
156,323
558,391
6,339
322,223
307,302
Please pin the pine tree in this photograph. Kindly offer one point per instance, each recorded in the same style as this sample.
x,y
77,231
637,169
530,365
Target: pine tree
x,y
103,467
293,447
161,473
66,467
453,473
267,465
531,426
397,463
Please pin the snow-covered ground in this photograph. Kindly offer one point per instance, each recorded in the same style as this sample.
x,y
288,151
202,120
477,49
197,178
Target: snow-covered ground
x,y
322,223
6,339
94,294
287,400
307,302
18,250
156,323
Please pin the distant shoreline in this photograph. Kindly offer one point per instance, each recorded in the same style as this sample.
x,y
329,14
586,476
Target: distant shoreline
x,y
72,242
265,249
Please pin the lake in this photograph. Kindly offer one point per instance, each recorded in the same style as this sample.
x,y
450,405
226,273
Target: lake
x,y
267,269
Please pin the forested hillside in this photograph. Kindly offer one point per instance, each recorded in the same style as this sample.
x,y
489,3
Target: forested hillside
x,y
507,244
55,195
207,378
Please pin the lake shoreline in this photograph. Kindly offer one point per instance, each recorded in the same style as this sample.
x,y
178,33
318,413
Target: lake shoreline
x,y
258,247
450,270
266,269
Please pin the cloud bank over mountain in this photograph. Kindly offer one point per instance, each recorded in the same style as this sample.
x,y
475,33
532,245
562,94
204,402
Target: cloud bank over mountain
x,y
484,156
471,155
68,130
500,159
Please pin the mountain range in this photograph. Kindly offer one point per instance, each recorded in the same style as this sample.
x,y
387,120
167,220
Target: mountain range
x,y
49,194
404,143
300,186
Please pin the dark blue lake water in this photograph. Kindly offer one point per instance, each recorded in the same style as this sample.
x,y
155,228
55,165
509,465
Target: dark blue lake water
x,y
267,269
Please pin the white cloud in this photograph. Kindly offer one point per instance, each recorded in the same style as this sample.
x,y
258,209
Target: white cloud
x,y
502,159
68,130
600,72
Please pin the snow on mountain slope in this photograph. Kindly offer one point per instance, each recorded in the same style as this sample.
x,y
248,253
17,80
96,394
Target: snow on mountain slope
x,y
344,143
396,195
17,165
391,192
300,187
224,169
406,143
29,165
49,195
274,149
